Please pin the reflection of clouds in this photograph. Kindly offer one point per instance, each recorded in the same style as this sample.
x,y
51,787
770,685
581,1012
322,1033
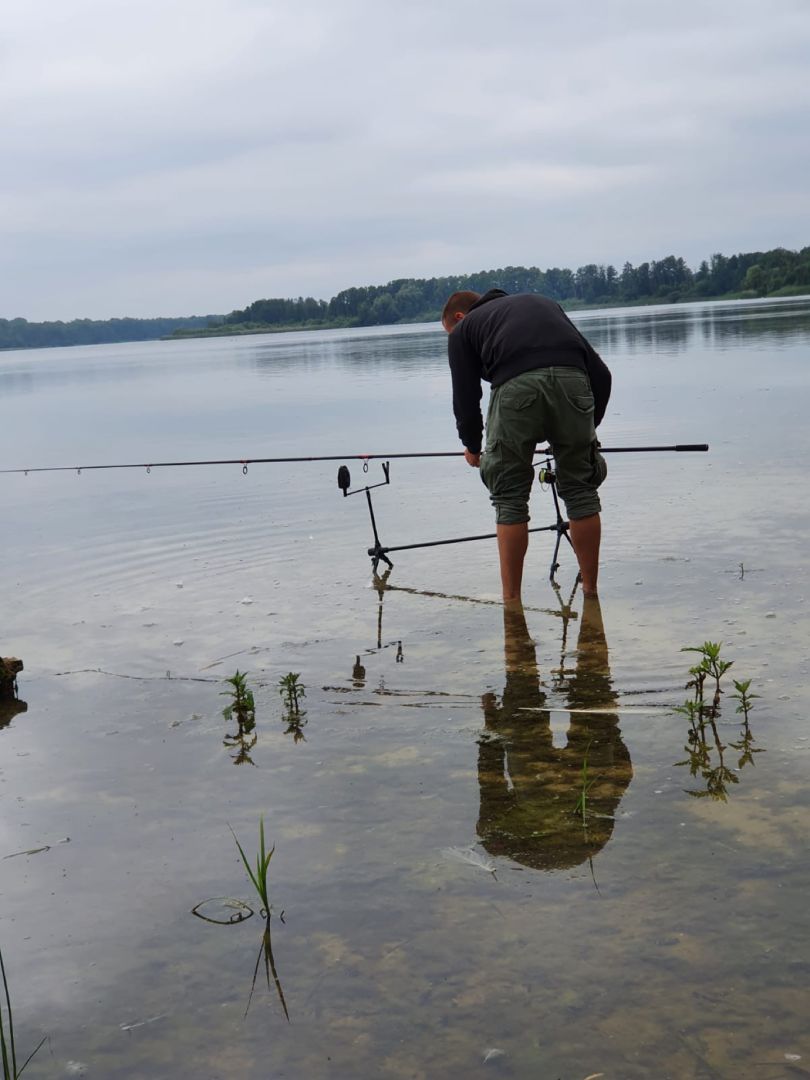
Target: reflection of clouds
x,y
528,787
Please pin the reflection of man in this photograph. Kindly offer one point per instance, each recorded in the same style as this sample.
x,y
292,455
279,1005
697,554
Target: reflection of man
x,y
529,789
548,384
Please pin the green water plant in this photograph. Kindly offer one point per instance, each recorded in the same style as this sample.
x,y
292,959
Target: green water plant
x,y
705,749
292,690
745,704
241,707
258,876
586,783
266,954
711,667
8,1049
742,686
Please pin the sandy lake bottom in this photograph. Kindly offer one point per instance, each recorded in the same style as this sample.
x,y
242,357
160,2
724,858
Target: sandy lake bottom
x,y
442,903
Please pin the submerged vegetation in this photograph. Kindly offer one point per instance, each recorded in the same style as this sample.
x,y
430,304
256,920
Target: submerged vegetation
x,y
706,752
8,1049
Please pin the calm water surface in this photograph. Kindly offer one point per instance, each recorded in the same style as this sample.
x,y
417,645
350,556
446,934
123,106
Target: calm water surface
x,y
447,912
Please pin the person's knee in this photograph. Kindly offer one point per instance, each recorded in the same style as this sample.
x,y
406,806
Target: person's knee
x,y
511,511
580,503
508,477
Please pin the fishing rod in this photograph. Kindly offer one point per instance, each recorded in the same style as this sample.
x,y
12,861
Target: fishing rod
x,y
379,552
365,458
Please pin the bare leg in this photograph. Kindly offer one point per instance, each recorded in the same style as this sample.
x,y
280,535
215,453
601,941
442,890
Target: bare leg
x,y
512,543
585,536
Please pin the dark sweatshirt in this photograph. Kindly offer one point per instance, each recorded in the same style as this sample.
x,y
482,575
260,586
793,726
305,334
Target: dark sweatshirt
x,y
502,336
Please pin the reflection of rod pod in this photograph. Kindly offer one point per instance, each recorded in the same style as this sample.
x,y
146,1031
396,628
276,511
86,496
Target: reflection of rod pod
x,y
379,552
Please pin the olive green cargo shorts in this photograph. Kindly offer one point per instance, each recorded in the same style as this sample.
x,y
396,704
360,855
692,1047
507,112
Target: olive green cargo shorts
x,y
553,405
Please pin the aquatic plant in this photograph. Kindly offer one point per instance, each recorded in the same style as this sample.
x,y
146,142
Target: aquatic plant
x,y
586,783
296,722
711,666
266,953
744,744
259,876
292,691
259,879
702,712
745,699
8,1049
242,706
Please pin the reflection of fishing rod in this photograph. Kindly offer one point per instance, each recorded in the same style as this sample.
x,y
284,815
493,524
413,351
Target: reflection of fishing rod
x,y
365,458
379,553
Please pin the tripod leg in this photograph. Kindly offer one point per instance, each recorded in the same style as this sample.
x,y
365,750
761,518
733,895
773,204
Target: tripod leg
x,y
376,552
377,556
555,566
562,526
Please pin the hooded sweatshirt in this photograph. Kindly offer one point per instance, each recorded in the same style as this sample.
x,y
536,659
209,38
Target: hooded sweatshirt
x,y
502,336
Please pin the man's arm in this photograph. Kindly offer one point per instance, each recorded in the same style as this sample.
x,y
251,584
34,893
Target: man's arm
x,y
601,381
598,373
465,371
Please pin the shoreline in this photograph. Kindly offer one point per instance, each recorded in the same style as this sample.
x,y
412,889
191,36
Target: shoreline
x,y
566,305
297,328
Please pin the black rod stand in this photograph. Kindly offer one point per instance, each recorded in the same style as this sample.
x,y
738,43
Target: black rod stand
x,y
379,553
561,525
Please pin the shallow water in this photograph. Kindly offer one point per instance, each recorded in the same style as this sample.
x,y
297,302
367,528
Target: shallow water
x,y
662,937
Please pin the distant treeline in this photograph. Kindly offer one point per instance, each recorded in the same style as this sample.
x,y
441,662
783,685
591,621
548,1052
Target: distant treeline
x,y
668,280
755,273
21,334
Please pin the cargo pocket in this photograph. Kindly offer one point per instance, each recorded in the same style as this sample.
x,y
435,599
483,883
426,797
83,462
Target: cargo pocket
x,y
491,467
578,394
517,398
598,464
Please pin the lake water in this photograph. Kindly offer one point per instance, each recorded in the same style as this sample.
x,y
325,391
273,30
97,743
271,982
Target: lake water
x,y
660,930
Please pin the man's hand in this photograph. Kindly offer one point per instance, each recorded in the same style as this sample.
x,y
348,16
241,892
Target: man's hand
x,y
472,459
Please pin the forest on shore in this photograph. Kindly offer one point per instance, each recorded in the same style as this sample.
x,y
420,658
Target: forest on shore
x,y
779,272
22,334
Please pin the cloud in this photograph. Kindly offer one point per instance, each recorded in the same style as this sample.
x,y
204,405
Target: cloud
x,y
175,157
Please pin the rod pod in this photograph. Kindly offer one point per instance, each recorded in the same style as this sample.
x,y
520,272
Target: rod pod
x,y
379,552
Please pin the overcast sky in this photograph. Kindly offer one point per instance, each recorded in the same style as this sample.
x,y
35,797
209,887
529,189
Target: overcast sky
x,y
170,157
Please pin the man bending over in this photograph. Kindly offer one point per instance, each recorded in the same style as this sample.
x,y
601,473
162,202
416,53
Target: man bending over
x,y
548,385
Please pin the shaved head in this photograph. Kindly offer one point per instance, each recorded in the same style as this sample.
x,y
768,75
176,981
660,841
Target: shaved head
x,y
457,307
